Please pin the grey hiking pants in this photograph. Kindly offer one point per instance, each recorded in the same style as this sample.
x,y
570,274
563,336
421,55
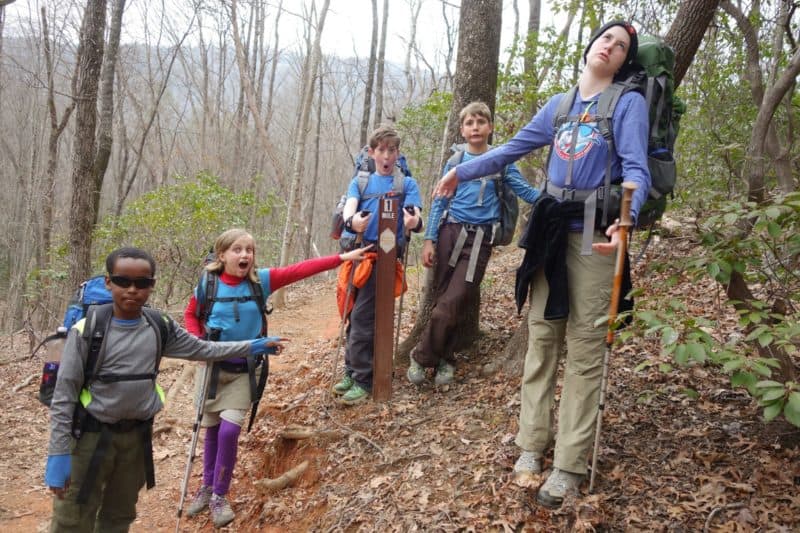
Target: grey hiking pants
x,y
360,351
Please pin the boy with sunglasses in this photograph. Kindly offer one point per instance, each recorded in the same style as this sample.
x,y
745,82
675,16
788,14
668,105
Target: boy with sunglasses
x,y
96,472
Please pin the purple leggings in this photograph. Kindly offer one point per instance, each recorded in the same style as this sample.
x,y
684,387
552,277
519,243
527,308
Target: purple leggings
x,y
219,456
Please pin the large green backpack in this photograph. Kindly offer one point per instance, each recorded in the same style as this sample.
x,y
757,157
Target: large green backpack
x,y
654,79
658,61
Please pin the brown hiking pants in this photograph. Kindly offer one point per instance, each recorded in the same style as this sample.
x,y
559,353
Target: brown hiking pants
x,y
451,291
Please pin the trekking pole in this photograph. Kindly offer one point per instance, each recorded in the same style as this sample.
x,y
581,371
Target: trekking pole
x,y
201,405
359,238
624,223
402,292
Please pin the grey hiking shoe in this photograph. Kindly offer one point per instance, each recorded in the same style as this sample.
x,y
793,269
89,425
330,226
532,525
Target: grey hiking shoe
x,y
344,385
529,463
558,484
415,373
221,512
444,373
200,501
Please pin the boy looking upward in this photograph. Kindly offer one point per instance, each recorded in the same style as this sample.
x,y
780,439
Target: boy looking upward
x,y
458,240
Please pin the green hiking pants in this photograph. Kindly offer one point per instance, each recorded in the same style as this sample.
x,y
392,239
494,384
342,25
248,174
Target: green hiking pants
x,y
112,502
589,278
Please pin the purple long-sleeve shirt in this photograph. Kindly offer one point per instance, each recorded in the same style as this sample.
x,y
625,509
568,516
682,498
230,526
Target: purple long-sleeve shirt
x,y
630,129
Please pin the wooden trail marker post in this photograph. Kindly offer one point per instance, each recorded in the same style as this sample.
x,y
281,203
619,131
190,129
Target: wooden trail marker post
x,y
384,299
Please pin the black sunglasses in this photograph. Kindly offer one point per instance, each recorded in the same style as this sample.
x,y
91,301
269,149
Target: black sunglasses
x,y
125,282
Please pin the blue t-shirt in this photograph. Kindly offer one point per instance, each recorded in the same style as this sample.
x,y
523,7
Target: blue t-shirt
x,y
380,185
630,129
473,206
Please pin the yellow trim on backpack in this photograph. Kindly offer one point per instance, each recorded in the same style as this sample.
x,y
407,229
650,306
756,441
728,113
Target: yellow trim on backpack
x,y
79,325
160,393
85,397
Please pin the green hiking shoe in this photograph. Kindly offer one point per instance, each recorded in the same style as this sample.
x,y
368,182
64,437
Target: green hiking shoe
x,y
356,394
415,373
444,373
344,385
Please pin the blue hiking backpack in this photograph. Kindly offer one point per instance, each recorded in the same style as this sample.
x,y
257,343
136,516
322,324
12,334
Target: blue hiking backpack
x,y
93,291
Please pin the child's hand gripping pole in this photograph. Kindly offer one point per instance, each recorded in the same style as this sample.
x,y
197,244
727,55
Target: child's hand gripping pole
x,y
624,224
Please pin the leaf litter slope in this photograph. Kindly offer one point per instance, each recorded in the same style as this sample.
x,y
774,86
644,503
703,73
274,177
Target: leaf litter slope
x,y
441,458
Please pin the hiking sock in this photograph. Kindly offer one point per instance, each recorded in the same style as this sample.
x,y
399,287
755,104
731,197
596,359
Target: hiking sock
x,y
226,456
210,454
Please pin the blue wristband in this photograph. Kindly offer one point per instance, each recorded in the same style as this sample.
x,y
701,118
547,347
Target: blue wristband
x,y
57,471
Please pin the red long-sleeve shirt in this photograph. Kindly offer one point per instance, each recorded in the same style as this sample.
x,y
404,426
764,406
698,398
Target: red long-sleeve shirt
x,y
278,277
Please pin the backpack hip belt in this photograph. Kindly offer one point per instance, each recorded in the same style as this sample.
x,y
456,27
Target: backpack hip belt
x,y
466,228
589,197
92,425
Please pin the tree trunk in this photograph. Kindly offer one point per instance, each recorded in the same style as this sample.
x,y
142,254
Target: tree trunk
x,y
380,67
105,129
687,31
476,79
56,129
370,77
82,209
312,67
532,40
315,174
415,7
778,153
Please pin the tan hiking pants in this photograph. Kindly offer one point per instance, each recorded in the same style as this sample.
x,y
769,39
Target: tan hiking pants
x,y
590,279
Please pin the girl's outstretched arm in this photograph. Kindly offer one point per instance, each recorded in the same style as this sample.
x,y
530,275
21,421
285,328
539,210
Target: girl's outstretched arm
x,y
282,276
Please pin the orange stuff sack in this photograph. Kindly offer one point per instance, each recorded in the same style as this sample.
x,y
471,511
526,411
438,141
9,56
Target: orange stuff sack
x,y
360,276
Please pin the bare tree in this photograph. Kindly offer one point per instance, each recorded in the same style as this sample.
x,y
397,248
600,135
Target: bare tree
x,y
370,76
56,129
414,6
300,146
83,210
104,131
381,66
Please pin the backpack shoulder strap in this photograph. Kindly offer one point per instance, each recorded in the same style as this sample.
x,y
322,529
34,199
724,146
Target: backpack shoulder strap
x,y
363,181
458,154
98,318
606,106
162,325
564,107
258,294
206,293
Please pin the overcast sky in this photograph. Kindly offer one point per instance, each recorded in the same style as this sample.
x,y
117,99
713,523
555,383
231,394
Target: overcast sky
x,y
347,29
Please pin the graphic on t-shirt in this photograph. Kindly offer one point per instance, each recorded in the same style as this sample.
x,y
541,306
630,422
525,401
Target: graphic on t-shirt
x,y
588,136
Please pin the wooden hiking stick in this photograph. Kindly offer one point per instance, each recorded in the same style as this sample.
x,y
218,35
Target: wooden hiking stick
x,y
625,223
